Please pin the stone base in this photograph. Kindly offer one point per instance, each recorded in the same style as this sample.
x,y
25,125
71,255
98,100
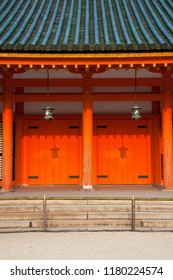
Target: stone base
x,y
87,188
5,191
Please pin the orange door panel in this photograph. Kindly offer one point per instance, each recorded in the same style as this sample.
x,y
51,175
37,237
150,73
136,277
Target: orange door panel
x,y
33,153
73,153
120,143
33,146
122,152
102,155
52,152
141,153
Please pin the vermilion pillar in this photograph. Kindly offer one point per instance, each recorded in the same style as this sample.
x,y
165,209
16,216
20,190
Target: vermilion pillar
x,y
7,133
18,136
156,137
156,151
87,114
167,132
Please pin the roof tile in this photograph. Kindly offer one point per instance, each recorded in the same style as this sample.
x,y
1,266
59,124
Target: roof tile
x,y
86,25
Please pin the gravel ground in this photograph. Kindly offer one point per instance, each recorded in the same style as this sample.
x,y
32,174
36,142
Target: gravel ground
x,y
87,246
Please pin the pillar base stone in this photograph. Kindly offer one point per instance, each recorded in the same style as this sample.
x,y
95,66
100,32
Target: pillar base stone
x,y
87,188
5,191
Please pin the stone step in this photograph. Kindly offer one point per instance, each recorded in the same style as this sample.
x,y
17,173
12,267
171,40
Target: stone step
x,y
88,223
88,229
67,216
154,202
109,215
102,224
89,215
15,224
88,202
164,224
20,202
156,215
19,229
20,209
88,208
154,208
21,216
84,214
154,229
25,202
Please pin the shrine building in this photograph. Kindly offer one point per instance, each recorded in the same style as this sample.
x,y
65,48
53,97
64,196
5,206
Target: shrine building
x,y
86,93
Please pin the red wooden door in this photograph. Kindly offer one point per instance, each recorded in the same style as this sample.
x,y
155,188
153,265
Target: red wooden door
x,y
52,152
122,152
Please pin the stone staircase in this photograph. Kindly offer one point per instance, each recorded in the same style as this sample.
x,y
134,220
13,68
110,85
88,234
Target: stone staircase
x,y
88,214
154,215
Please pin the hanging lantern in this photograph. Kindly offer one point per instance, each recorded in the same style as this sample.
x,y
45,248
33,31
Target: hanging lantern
x,y
48,113
135,109
135,112
48,110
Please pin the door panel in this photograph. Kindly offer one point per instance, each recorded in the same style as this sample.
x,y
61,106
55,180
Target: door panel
x,y
33,153
102,155
52,152
122,152
141,154
73,152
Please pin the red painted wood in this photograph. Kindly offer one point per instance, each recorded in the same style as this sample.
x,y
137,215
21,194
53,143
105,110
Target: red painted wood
x,y
87,121
122,152
167,132
156,151
52,152
7,133
105,82
18,151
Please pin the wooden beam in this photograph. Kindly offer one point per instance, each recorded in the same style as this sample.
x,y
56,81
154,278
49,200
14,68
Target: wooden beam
x,y
84,58
126,97
104,96
96,82
43,97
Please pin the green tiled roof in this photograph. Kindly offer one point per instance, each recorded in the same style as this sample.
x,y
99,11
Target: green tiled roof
x,y
86,25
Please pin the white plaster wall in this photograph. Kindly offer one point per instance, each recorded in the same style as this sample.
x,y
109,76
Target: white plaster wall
x,y
59,107
121,89
99,107
141,73
118,107
42,74
53,90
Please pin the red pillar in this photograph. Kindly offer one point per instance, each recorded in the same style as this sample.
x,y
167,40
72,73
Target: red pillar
x,y
167,132
87,114
19,106
7,132
156,137
156,151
